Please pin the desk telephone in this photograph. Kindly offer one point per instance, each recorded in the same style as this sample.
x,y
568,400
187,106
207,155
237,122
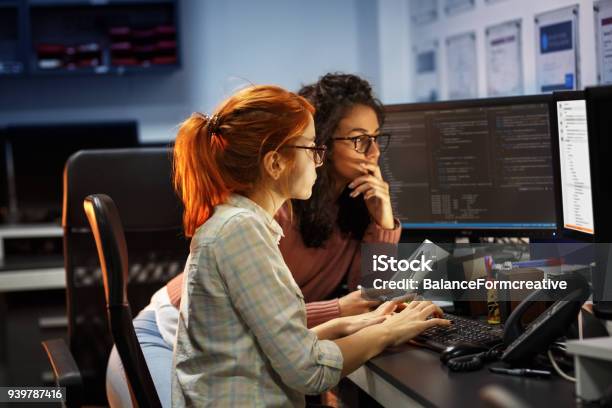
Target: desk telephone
x,y
523,343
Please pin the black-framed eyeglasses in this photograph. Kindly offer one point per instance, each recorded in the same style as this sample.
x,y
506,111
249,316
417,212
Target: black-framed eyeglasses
x,y
318,152
362,143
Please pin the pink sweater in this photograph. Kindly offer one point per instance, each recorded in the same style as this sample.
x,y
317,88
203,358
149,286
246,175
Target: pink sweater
x,y
317,271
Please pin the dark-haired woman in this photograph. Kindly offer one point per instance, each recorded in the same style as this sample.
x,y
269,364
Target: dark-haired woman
x,y
350,204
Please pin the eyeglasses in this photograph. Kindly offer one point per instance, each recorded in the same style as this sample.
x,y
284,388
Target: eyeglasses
x,y
318,152
362,143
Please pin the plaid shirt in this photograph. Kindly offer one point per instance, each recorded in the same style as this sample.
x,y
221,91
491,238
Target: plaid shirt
x,y
242,338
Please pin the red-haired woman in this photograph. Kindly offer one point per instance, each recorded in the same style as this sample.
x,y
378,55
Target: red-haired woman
x,y
321,239
242,338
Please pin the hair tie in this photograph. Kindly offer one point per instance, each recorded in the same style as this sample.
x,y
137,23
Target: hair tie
x,y
213,126
200,115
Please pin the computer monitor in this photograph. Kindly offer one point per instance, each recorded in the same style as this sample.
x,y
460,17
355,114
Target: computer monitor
x,y
476,167
572,163
582,150
599,108
36,155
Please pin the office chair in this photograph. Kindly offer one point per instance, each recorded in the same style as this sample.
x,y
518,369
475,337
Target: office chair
x,y
108,233
139,180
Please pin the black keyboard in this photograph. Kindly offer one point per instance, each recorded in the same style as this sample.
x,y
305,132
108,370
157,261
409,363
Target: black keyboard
x,y
463,330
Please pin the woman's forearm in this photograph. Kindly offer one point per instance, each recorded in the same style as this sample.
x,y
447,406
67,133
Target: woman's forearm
x,y
330,330
361,346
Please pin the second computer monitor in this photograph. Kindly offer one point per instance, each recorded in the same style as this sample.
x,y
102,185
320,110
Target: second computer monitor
x,y
583,148
479,167
572,158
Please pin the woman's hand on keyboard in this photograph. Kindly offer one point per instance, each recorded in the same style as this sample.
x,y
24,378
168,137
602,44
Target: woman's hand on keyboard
x,y
354,304
352,324
414,319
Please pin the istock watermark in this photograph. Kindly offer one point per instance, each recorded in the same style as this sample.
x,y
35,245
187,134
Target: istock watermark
x,y
383,263
485,272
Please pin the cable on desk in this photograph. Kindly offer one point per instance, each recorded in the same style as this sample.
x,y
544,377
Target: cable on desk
x,y
558,369
473,362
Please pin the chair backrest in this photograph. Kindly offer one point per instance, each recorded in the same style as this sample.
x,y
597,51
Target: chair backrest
x,y
108,233
139,180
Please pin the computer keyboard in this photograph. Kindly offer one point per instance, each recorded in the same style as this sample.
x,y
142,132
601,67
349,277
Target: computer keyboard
x,y
463,330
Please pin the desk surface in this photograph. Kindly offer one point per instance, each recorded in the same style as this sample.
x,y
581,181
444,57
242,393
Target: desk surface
x,y
419,374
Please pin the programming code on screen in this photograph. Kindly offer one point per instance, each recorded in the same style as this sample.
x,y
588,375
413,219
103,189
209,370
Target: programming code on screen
x,y
478,167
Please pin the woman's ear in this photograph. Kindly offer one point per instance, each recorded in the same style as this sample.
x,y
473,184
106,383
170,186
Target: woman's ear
x,y
274,164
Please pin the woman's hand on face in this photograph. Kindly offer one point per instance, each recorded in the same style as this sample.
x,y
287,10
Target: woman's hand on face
x,y
354,304
413,320
375,192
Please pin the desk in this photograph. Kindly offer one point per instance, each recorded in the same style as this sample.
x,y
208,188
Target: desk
x,y
413,376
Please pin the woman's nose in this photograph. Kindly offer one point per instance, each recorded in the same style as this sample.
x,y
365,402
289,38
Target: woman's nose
x,y
373,151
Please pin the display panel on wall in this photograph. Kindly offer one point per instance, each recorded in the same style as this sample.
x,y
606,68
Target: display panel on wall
x,y
96,37
603,40
452,7
426,75
462,70
423,11
557,50
504,59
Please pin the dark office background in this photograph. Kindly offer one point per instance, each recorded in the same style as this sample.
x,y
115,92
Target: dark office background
x,y
225,44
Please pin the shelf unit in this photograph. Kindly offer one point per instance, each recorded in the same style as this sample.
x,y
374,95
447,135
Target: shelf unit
x,y
32,302
12,48
30,273
96,37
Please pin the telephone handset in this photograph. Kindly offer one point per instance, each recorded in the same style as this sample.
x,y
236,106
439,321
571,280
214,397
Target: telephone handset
x,y
522,343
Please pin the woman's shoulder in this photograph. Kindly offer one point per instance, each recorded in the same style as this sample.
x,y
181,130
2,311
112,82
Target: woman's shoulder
x,y
225,220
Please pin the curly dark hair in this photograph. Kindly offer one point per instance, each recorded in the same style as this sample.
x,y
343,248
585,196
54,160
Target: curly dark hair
x,y
333,96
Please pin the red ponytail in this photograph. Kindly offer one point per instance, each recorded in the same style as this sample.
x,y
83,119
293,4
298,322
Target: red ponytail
x,y
216,156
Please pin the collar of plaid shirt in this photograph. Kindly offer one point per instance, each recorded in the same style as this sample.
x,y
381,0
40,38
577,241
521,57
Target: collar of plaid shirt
x,y
240,201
